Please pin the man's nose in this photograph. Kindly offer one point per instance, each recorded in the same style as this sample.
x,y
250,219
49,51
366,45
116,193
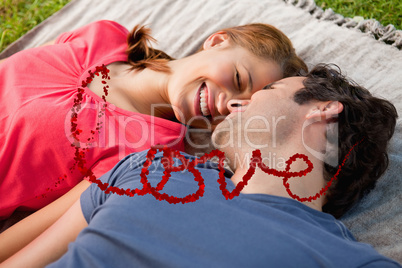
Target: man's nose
x,y
235,104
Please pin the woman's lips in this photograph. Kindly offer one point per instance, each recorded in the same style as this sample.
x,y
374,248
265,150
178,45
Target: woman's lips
x,y
210,102
202,102
197,110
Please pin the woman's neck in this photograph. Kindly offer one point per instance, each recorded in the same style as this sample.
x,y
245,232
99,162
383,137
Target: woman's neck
x,y
143,91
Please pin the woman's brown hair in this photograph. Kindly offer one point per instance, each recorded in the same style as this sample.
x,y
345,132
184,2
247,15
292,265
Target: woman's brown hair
x,y
262,40
266,41
141,55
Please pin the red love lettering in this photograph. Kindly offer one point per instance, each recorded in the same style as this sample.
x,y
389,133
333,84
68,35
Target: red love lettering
x,y
168,154
324,189
168,166
256,160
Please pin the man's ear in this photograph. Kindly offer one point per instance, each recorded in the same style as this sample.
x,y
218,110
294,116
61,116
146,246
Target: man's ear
x,y
325,110
217,39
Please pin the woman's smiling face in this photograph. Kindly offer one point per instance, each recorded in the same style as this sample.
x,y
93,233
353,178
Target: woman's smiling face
x,y
202,84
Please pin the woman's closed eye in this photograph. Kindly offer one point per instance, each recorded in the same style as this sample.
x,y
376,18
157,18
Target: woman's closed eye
x,y
238,80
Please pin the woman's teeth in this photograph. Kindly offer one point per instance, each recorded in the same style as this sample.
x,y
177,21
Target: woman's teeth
x,y
203,102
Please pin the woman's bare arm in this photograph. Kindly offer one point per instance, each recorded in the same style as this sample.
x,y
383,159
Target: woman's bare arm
x,y
22,233
53,243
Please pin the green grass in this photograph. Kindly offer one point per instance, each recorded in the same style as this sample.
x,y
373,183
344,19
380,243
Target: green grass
x,y
19,16
385,11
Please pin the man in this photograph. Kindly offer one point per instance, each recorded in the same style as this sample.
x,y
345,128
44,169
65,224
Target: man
x,y
264,225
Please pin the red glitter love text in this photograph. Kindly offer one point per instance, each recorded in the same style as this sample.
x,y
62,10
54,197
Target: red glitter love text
x,y
168,154
256,161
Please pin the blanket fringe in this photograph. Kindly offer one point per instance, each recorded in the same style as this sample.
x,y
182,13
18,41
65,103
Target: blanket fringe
x,y
387,34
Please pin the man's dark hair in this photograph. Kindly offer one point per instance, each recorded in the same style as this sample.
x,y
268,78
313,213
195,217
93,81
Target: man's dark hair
x,y
363,117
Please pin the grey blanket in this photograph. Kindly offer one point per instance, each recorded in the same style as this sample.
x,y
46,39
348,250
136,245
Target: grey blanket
x,y
180,26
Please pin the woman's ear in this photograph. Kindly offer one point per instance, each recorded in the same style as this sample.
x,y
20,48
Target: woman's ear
x,y
217,39
325,110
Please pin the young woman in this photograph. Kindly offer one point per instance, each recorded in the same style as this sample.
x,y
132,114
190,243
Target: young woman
x,y
55,129
63,120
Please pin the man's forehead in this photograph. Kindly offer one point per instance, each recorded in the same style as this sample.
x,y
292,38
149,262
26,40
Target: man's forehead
x,y
295,82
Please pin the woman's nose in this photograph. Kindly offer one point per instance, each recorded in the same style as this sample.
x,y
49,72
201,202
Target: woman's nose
x,y
235,104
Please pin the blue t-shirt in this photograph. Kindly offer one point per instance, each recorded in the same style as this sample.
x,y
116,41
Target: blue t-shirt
x,y
251,230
